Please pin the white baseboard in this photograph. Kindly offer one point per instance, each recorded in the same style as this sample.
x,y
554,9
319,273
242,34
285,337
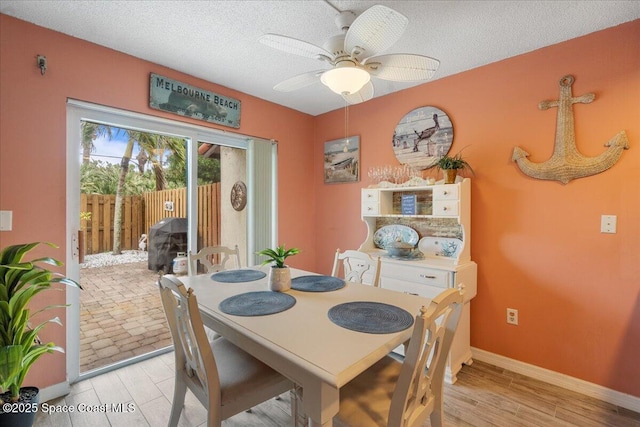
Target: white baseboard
x,y
561,380
54,391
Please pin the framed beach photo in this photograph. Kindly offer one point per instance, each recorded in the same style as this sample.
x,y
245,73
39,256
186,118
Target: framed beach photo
x,y
342,160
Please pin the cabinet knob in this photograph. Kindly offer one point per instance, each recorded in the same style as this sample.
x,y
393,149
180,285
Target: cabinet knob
x,y
445,193
444,209
369,195
369,208
425,276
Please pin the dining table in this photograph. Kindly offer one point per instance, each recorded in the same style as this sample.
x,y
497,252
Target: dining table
x,y
303,342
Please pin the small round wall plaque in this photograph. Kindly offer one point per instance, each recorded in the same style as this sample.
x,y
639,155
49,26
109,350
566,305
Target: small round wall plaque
x,y
239,196
422,136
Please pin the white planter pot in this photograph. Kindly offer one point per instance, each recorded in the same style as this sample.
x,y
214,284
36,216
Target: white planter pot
x,y
279,279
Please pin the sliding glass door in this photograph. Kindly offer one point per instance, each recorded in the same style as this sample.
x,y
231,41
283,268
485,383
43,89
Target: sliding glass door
x,y
175,188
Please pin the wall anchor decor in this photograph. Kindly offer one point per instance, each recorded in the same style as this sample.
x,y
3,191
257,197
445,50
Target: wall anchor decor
x,y
567,163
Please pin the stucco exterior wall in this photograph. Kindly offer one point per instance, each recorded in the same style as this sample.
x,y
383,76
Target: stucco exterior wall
x,y
233,224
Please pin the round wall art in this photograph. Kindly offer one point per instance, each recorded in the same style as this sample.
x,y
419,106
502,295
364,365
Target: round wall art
x,y
422,136
239,196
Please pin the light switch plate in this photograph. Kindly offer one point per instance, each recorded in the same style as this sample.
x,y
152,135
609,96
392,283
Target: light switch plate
x,y
6,220
608,224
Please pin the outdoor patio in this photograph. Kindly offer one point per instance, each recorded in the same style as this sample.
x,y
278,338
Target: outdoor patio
x,y
121,315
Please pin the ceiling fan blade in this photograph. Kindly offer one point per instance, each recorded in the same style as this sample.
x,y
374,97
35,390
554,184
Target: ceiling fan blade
x,y
299,81
375,30
295,46
364,94
402,67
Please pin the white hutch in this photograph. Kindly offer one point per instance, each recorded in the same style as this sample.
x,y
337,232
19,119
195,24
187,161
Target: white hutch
x,y
440,214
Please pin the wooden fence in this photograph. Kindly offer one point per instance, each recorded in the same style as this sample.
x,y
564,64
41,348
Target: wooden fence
x,y
99,229
139,213
208,210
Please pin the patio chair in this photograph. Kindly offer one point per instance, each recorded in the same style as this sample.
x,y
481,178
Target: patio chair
x,y
404,394
207,257
226,379
358,267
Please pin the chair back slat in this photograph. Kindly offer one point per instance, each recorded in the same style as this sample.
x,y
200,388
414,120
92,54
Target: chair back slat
x,y
421,379
358,267
214,259
193,353
187,339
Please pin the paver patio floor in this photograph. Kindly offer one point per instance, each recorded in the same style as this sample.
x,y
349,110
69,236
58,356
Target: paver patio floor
x,y
121,314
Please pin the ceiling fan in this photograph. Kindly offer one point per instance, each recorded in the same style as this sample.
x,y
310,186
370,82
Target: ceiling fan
x,y
352,55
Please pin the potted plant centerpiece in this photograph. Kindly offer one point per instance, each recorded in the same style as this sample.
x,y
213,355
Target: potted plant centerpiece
x,y
20,346
279,274
451,165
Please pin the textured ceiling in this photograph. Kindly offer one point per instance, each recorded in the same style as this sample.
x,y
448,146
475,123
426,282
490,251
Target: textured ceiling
x,y
218,40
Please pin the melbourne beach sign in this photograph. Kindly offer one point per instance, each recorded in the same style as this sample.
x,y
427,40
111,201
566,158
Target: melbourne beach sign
x,y
185,100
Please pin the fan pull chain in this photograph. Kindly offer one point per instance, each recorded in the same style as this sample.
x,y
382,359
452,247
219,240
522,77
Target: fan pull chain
x,y
346,126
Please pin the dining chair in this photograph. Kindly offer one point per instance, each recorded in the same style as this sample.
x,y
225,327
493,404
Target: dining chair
x,y
208,258
403,394
226,379
357,266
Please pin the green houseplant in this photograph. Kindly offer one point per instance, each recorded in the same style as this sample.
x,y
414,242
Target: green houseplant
x,y
279,274
20,347
450,165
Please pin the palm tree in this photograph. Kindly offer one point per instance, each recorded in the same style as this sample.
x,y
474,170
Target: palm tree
x,y
117,215
154,146
91,132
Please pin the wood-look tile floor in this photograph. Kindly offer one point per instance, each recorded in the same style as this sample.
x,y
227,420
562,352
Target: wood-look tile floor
x,y
484,395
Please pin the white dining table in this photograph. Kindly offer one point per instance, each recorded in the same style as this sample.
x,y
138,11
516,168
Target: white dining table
x,y
302,343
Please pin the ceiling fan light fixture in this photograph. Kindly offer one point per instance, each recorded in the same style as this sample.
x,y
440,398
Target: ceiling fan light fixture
x,y
345,80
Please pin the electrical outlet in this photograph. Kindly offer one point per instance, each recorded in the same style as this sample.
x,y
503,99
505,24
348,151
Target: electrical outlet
x,y
512,316
608,224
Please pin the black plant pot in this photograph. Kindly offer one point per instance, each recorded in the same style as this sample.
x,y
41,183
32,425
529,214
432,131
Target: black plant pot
x,y
21,413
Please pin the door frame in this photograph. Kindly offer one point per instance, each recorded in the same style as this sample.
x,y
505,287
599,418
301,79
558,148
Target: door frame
x,y
78,111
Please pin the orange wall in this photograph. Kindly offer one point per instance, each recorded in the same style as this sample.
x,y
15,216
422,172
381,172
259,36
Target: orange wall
x,y
33,142
537,243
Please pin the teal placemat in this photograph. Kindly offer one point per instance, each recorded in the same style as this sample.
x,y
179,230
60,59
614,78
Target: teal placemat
x,y
238,276
258,303
370,317
315,283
